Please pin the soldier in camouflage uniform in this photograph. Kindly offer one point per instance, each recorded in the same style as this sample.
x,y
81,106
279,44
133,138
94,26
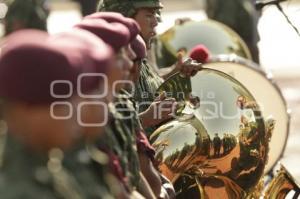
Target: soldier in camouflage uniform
x,y
147,14
23,14
42,157
119,136
145,150
123,108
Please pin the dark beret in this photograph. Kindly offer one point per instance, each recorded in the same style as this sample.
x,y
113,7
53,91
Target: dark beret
x,y
28,67
111,17
114,34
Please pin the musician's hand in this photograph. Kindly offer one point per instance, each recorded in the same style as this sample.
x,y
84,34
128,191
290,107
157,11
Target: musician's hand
x,y
188,67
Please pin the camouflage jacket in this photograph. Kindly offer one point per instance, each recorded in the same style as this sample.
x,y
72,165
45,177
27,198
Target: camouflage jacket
x,y
120,138
146,87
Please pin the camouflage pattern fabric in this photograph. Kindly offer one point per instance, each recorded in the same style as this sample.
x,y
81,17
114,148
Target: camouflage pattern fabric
x,y
146,87
128,7
120,137
145,90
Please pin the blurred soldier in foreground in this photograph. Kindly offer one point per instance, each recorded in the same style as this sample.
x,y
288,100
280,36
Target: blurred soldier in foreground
x,y
43,155
126,104
117,36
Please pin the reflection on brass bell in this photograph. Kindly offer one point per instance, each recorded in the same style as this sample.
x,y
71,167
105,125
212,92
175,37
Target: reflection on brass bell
x,y
221,152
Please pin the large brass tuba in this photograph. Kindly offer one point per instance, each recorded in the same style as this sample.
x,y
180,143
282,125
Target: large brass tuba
x,y
218,144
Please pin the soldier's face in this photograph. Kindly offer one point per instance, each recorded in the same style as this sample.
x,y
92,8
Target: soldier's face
x,y
147,19
38,129
93,116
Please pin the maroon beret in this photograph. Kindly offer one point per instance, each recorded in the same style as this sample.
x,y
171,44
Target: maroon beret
x,y
114,34
139,47
29,66
111,17
89,54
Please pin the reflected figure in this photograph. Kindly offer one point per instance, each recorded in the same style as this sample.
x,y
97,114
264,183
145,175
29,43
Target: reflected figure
x,y
217,145
225,144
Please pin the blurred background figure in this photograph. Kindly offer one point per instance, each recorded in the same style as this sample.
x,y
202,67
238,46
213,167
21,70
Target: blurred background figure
x,y
87,6
241,16
23,14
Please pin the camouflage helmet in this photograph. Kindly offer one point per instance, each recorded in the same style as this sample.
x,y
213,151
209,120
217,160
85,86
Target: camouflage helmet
x,y
128,7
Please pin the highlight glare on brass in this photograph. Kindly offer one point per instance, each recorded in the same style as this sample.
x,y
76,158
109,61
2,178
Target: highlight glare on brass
x,y
266,93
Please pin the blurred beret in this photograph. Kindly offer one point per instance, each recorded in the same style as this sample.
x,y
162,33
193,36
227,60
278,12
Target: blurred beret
x,y
139,47
111,17
88,52
114,34
29,66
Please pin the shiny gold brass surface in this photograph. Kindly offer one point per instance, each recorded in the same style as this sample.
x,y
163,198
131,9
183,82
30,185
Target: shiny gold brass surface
x,y
267,94
281,185
217,37
217,146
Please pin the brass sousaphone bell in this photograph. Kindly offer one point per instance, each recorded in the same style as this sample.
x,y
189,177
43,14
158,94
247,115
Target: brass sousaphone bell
x,y
217,37
217,145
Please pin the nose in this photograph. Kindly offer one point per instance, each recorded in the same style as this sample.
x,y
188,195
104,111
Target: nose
x,y
154,21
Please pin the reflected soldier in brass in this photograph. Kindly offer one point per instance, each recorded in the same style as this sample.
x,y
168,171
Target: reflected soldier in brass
x,y
218,149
